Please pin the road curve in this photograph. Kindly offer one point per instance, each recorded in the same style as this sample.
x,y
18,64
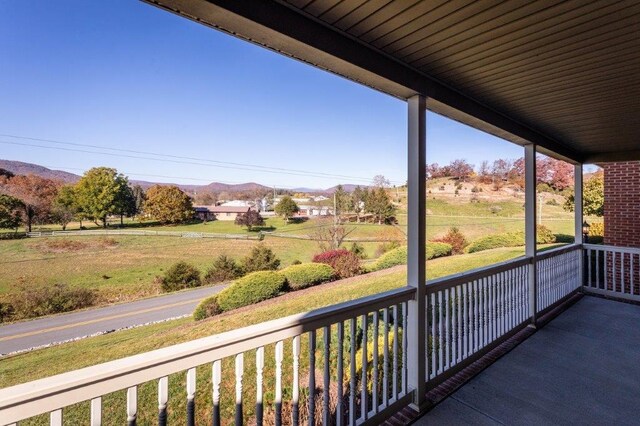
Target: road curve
x,y
59,328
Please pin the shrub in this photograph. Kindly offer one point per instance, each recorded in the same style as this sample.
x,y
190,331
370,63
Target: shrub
x,y
6,311
437,249
455,238
207,308
398,256
261,258
35,301
495,209
508,239
180,275
358,250
552,202
596,229
385,247
224,268
307,275
343,262
253,288
544,235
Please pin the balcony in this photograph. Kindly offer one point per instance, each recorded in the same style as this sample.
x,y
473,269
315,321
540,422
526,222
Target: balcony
x,y
470,319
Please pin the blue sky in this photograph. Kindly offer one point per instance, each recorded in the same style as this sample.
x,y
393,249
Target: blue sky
x,y
127,76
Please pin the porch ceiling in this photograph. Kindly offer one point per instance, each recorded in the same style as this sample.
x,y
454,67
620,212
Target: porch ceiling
x,y
562,74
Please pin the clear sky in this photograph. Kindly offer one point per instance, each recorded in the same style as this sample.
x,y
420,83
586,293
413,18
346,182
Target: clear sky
x,y
147,85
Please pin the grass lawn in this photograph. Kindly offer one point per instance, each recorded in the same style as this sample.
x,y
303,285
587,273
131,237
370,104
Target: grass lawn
x,y
42,363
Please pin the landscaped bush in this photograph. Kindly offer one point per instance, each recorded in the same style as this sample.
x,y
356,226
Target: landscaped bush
x,y
358,250
344,263
455,238
207,308
261,258
510,239
253,288
385,247
224,268
35,301
179,276
398,256
307,275
596,229
544,235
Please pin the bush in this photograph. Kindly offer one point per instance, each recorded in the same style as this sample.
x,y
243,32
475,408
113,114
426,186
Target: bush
x,y
261,258
207,308
596,229
358,250
344,263
544,235
456,239
180,275
224,268
6,311
399,256
552,202
36,301
385,247
253,288
307,275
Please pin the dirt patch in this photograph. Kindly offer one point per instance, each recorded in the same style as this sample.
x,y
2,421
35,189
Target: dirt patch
x,y
55,245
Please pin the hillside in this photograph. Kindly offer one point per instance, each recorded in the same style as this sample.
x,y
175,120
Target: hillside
x,y
20,168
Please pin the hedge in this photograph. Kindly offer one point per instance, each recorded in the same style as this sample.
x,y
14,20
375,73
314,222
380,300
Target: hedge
x,y
250,289
207,308
307,275
345,263
509,239
398,256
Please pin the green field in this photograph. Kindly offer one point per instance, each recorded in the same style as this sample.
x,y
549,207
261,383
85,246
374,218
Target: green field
x,y
42,363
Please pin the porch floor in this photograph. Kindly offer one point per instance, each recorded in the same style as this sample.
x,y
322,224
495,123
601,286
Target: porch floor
x,y
581,368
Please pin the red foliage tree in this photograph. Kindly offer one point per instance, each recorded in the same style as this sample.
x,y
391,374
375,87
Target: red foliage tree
x,y
35,192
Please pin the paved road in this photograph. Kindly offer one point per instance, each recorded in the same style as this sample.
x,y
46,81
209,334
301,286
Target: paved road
x,y
29,334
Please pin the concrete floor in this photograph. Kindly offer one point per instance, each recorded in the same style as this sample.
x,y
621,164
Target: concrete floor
x,y
582,368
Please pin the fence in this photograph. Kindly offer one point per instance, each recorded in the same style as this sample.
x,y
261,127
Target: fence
x,y
111,232
612,271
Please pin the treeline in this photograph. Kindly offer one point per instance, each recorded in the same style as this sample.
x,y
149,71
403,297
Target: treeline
x,y
101,193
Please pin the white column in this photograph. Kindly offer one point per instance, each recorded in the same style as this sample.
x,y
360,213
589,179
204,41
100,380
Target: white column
x,y
416,276
530,227
578,217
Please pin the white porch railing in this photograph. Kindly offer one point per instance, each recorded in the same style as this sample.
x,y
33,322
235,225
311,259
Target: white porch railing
x,y
612,271
307,362
364,388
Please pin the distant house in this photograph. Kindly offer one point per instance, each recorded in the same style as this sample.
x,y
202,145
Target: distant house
x,y
238,203
308,210
219,212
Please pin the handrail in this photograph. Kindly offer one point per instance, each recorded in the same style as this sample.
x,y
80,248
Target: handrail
x,y
48,394
541,255
601,247
474,274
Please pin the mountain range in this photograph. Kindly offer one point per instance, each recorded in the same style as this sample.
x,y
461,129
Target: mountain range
x,y
21,168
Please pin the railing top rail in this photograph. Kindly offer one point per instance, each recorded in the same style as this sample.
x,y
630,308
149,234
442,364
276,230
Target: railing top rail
x,y
48,394
463,277
600,247
557,251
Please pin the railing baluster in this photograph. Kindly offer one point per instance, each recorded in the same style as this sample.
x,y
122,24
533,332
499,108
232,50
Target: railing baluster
x,y
239,372
96,411
483,312
191,397
460,322
374,388
216,379
340,375
259,386
278,396
447,329
434,342
295,394
632,274
623,287
55,418
352,369
476,319
589,267
132,405
385,366
405,346
441,342
326,413
312,377
465,321
163,397
363,391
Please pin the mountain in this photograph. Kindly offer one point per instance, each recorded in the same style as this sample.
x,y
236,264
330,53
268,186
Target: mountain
x,y
20,168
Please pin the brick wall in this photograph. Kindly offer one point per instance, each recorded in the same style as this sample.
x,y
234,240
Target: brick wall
x,y
622,204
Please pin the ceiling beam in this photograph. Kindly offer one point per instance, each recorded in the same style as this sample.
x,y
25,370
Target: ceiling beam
x,y
287,31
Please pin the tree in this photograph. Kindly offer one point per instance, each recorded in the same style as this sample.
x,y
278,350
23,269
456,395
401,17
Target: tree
x,y
380,181
101,192
358,197
126,204
6,173
379,205
484,172
249,219
139,197
286,208
10,212
168,204
461,170
342,201
330,236
65,206
35,192
592,197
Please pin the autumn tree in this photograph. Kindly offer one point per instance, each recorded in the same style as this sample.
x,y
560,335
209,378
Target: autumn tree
x,y
6,173
286,208
35,192
461,170
168,204
484,172
10,212
379,205
381,182
592,197
249,219
65,206
101,192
